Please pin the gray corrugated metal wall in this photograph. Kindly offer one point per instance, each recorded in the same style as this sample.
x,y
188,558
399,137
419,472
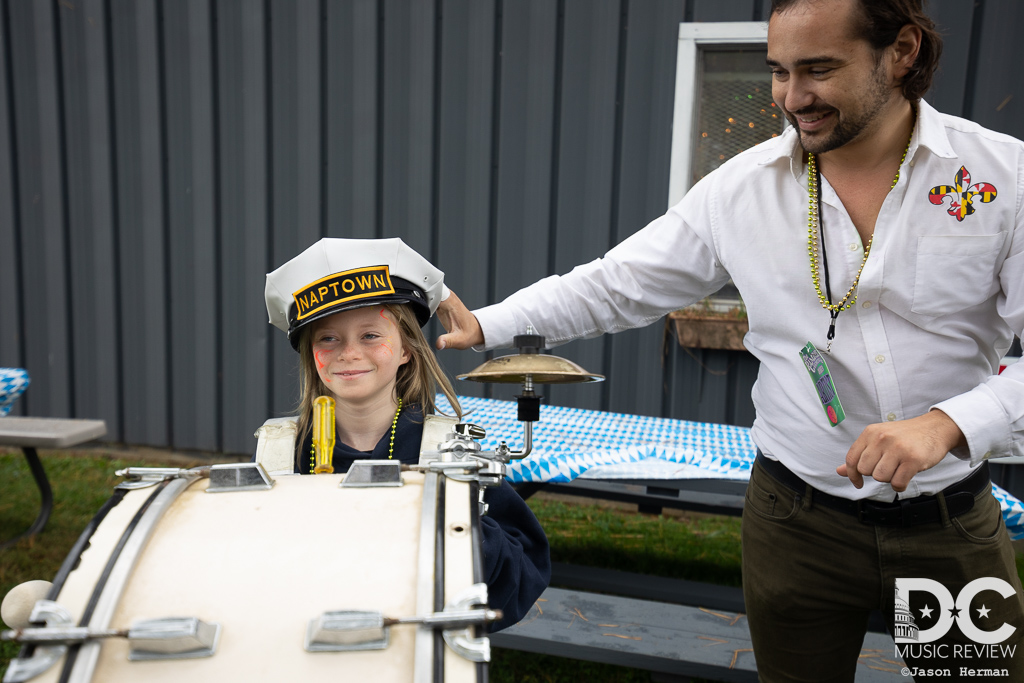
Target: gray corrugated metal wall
x,y
157,157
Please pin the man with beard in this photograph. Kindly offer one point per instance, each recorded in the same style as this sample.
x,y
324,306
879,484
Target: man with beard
x,y
879,249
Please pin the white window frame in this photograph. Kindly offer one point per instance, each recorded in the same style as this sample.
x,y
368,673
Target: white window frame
x,y
691,37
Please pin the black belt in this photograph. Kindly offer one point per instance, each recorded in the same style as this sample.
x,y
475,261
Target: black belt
x,y
959,498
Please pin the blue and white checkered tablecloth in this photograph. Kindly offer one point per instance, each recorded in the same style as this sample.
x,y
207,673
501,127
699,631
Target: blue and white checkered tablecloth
x,y
13,382
572,442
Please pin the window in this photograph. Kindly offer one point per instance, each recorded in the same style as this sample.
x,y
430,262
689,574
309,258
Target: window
x,y
723,101
723,105
734,108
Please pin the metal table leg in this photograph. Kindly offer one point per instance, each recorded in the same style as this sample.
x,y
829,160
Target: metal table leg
x,y
45,492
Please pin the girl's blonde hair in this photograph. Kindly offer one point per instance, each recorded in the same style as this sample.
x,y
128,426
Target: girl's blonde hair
x,y
417,382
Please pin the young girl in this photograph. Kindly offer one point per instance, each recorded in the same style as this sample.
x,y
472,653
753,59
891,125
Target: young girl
x,y
354,309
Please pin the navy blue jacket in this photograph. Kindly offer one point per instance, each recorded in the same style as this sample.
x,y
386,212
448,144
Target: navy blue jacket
x,y
517,565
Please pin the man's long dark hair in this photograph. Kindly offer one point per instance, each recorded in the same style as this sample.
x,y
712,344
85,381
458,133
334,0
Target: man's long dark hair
x,y
881,21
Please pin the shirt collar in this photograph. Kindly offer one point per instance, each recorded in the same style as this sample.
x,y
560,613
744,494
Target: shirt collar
x,y
930,132
787,146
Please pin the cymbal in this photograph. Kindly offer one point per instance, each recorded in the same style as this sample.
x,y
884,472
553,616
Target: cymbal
x,y
540,367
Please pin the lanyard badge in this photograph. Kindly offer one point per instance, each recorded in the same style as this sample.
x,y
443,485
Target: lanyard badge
x,y
823,385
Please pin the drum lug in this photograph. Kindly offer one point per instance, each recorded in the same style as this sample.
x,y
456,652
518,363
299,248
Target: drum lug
x,y
246,476
144,477
347,630
373,474
243,476
172,638
45,656
165,638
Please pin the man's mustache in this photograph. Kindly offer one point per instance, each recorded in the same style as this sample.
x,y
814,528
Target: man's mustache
x,y
809,111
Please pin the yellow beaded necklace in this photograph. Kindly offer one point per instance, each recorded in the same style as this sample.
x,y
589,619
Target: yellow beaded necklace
x,y
394,425
817,236
391,445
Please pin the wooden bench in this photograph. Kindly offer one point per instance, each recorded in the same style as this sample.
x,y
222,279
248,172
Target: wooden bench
x,y
675,641
30,433
662,589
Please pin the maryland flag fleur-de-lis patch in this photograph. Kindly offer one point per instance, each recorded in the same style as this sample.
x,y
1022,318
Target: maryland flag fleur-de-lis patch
x,y
962,195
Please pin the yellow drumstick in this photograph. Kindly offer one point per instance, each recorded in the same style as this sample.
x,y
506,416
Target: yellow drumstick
x,y
323,434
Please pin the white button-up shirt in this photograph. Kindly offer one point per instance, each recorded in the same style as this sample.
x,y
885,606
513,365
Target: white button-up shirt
x,y
939,299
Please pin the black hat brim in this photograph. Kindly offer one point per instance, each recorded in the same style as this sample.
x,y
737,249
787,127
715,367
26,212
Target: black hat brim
x,y
405,293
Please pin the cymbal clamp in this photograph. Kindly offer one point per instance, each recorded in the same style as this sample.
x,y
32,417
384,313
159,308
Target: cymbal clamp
x,y
528,367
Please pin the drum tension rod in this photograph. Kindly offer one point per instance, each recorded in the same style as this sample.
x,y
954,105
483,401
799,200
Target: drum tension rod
x,y
454,619
164,638
353,630
167,635
60,635
141,477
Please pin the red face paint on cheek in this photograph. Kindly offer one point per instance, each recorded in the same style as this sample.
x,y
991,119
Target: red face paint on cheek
x,y
320,363
387,343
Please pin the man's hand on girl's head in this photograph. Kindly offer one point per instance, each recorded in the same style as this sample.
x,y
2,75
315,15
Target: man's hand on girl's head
x,y
463,328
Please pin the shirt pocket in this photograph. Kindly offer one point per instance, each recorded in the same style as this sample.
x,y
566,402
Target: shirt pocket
x,y
955,272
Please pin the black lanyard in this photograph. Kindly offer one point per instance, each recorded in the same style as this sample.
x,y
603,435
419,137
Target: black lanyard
x,y
824,256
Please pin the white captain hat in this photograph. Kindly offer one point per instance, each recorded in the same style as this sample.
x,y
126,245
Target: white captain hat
x,y
336,275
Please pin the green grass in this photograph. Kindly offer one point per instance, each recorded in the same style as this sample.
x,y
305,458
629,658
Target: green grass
x,y
509,666
80,486
694,547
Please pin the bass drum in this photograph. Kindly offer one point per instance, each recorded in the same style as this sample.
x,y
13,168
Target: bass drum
x,y
284,579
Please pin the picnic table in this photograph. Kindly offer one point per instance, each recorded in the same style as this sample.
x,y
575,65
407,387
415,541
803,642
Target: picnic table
x,y
30,433
653,462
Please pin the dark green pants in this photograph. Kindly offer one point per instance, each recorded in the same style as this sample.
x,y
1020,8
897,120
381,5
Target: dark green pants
x,y
812,575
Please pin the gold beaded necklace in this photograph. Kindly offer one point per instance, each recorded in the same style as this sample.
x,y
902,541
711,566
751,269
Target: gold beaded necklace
x,y
816,237
391,445
394,425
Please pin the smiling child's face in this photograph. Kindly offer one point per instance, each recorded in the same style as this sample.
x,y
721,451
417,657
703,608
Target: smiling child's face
x,y
357,354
